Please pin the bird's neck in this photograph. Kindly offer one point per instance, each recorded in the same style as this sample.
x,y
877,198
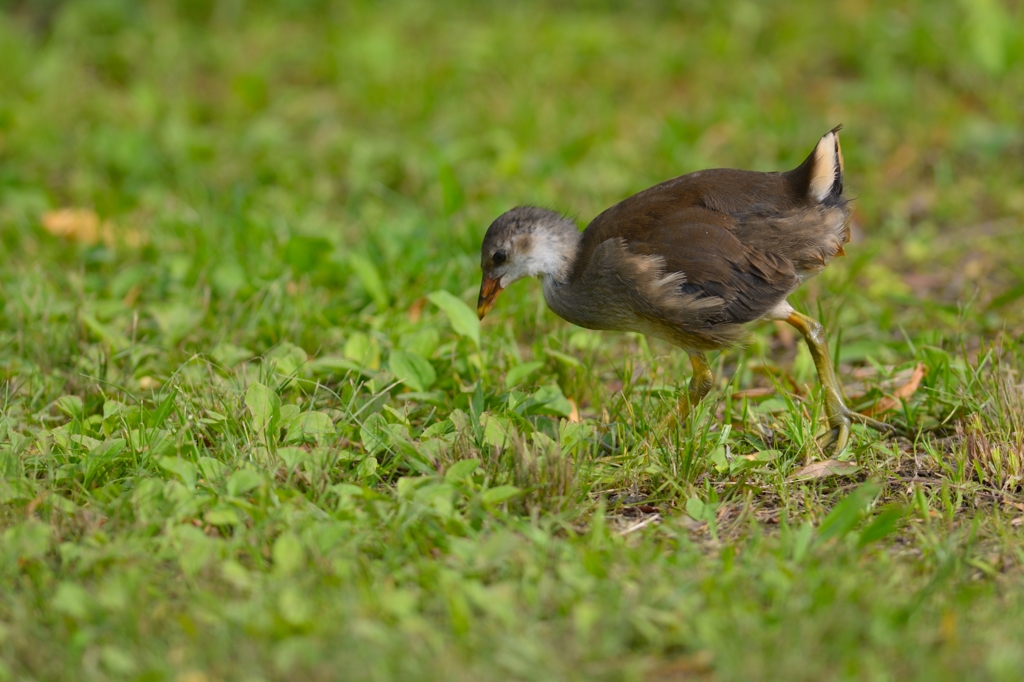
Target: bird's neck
x,y
560,257
554,255
573,303
588,304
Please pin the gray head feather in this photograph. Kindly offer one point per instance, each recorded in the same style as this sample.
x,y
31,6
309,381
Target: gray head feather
x,y
528,241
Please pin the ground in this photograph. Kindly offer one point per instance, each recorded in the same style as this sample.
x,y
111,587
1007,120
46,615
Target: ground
x,y
252,429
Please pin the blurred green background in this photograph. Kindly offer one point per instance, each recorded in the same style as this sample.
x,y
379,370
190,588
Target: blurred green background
x,y
245,437
314,128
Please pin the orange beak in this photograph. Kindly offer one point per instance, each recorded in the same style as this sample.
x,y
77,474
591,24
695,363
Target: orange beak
x,y
489,290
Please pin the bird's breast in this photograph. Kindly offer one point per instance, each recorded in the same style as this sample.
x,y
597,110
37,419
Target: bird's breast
x,y
592,309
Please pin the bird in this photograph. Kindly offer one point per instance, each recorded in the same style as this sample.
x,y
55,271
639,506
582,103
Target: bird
x,y
691,261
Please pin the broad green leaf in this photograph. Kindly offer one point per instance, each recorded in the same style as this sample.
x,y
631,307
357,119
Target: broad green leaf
x,y
195,550
108,449
315,426
212,469
163,410
227,278
718,458
695,508
549,400
374,433
288,553
288,358
520,372
573,433
305,253
499,494
117,415
222,516
367,468
563,358
88,442
361,349
742,463
370,278
113,408
699,510
117,661
334,365
27,540
414,370
882,525
242,481
182,468
264,405
407,485
496,430
307,427
987,30
802,539
236,574
463,318
423,341
460,421
461,469
292,456
71,599
518,401
71,405
438,429
176,320
585,339
288,416
845,516
294,606
116,340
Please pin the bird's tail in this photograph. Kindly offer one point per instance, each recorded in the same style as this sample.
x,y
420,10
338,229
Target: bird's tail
x,y
820,176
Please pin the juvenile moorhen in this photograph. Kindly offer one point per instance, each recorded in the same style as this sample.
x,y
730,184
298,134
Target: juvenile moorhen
x,y
690,261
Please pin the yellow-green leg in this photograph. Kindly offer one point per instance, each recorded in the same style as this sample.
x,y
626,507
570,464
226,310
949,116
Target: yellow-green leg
x,y
700,384
840,417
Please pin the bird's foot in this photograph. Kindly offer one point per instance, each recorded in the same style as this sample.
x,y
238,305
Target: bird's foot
x,y
840,420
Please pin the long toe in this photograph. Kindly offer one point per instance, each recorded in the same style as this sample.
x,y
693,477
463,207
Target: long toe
x,y
838,436
836,439
683,409
871,422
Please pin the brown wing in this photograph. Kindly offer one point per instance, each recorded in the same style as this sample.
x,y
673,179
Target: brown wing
x,y
712,262
799,215
693,284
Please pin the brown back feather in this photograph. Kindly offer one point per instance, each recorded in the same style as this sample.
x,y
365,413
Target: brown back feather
x,y
743,236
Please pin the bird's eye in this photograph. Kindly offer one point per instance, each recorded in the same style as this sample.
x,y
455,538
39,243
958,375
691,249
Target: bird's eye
x,y
499,257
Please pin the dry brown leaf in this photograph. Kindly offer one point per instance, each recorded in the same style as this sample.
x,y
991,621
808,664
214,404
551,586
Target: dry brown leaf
x,y
687,667
1017,522
574,413
829,467
614,386
900,160
146,383
754,392
77,224
785,335
903,392
416,309
83,225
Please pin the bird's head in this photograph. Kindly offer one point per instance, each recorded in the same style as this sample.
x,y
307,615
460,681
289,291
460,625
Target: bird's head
x,y
525,241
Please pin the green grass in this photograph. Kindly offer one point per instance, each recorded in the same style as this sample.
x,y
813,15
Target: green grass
x,y
247,435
